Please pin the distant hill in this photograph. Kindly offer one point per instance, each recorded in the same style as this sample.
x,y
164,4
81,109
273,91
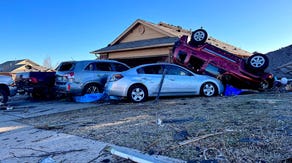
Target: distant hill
x,y
281,62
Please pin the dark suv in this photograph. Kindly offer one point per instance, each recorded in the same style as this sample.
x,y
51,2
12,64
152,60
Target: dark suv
x,y
202,57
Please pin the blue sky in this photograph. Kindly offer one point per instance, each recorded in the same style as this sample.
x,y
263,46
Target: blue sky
x,y
69,29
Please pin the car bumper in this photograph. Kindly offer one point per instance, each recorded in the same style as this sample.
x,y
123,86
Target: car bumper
x,y
69,88
115,89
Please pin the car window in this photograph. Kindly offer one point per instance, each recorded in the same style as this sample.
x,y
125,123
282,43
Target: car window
x,y
140,70
119,67
66,66
195,64
90,67
182,56
174,70
213,70
103,66
153,69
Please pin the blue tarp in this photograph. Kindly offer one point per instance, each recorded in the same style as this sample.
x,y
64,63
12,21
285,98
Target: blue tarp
x,y
232,91
89,97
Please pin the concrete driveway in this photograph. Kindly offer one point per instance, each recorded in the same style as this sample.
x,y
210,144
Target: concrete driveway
x,y
24,143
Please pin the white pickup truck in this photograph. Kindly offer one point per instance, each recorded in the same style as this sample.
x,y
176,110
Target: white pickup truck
x,y
7,88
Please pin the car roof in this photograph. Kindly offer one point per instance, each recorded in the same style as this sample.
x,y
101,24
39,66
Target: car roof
x,y
160,63
94,60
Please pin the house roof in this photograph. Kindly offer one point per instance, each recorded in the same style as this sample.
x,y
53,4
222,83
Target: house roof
x,y
170,31
150,43
19,65
9,66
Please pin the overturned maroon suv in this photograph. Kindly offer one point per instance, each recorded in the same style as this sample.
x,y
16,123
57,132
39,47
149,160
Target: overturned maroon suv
x,y
204,58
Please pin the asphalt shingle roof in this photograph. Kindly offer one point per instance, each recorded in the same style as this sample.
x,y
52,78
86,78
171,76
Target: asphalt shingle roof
x,y
139,44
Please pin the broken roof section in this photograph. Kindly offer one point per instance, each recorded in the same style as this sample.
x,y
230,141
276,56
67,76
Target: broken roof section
x,y
142,34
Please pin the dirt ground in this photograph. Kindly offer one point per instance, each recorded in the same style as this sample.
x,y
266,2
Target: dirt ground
x,y
246,128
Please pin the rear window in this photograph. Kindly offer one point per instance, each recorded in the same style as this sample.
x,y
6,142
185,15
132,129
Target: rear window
x,y
66,66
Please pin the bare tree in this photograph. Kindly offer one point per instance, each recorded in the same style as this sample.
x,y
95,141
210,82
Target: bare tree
x,y
48,63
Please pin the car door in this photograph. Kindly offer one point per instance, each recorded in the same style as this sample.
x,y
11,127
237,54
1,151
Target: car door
x,y
179,81
96,72
151,76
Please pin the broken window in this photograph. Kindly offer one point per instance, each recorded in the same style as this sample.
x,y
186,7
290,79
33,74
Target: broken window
x,y
182,56
195,64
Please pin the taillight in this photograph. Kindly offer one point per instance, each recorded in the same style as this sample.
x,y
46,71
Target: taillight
x,y
116,77
70,76
33,80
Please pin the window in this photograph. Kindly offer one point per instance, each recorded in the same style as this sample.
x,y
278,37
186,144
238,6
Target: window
x,y
66,66
195,64
213,70
90,67
119,67
100,66
156,69
182,56
174,70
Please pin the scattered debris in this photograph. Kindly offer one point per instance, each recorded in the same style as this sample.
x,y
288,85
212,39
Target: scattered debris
x,y
137,156
181,135
250,140
178,120
9,108
159,122
48,160
199,138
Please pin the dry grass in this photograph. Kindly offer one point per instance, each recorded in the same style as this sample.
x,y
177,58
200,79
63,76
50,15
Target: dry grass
x,y
245,128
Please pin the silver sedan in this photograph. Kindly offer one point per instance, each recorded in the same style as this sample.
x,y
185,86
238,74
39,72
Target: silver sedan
x,y
164,79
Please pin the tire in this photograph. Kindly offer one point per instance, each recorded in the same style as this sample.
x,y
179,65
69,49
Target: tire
x,y
137,93
91,88
265,84
258,62
198,37
3,96
37,93
209,89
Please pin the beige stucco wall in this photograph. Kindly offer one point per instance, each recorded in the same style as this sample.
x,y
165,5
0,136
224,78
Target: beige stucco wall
x,y
144,53
141,32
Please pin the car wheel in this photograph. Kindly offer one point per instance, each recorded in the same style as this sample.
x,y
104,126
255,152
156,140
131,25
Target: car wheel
x,y
3,96
198,37
37,93
209,89
137,93
264,85
91,88
258,62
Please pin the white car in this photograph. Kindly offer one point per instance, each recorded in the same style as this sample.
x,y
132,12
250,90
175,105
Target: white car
x,y
141,82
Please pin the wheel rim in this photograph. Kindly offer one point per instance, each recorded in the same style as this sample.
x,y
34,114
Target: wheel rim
x,y
138,94
199,36
92,89
264,85
209,90
257,61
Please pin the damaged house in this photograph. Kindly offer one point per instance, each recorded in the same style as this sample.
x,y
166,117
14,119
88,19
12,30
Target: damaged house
x,y
146,42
